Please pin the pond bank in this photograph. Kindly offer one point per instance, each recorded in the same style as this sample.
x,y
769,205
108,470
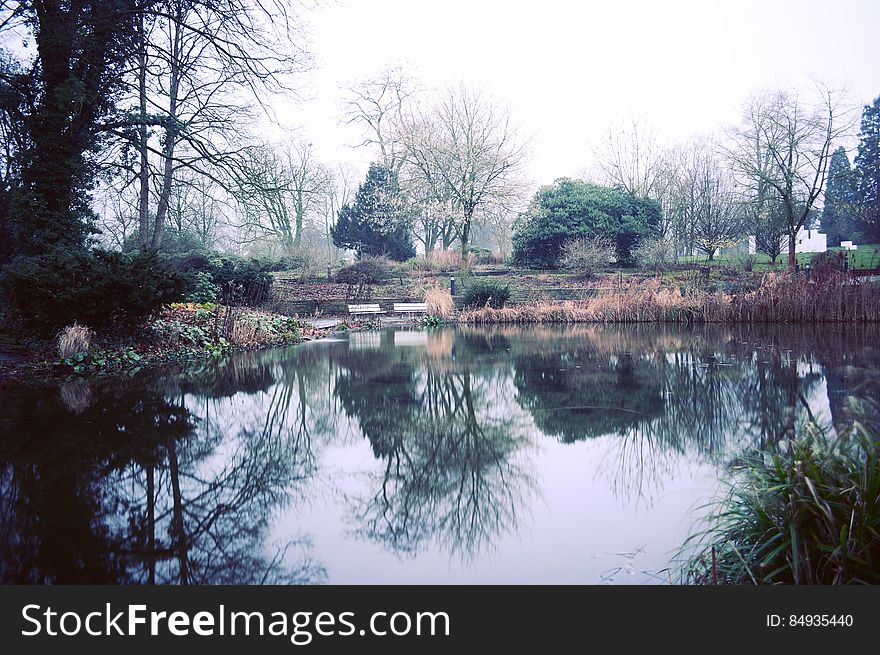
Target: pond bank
x,y
185,332
180,333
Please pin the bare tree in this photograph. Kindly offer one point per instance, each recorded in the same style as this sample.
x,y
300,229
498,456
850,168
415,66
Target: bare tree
x,y
196,61
199,206
718,217
339,189
435,209
785,143
262,190
378,104
117,216
631,157
465,146
496,221
280,189
703,201
308,184
761,203
765,216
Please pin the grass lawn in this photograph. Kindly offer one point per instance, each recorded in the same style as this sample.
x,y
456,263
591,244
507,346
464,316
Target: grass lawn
x,y
867,256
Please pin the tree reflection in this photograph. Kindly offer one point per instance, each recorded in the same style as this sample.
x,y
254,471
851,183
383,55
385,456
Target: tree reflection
x,y
450,451
671,395
117,483
576,393
169,478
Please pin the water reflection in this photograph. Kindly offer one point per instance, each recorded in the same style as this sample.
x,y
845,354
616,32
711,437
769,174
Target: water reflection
x,y
455,441
120,483
450,471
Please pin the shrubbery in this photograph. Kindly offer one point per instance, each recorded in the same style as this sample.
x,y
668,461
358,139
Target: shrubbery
x,y
572,208
240,280
826,264
482,293
203,289
805,516
747,262
369,270
587,257
224,277
97,289
655,254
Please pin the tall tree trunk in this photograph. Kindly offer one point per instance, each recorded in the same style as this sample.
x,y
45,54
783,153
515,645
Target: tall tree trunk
x,y
151,523
792,257
179,529
298,227
55,158
172,129
465,236
144,174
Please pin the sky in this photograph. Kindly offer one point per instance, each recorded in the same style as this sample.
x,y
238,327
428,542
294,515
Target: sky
x,y
567,70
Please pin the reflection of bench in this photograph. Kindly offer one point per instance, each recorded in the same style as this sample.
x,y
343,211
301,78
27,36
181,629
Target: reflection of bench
x,y
364,340
364,309
410,338
410,308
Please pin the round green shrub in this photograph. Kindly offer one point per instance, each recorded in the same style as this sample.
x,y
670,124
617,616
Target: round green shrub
x,y
482,293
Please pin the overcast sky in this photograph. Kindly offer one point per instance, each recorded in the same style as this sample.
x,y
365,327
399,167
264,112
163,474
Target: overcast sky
x,y
568,69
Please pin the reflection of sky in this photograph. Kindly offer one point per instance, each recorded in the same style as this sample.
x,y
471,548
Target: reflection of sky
x,y
613,508
576,532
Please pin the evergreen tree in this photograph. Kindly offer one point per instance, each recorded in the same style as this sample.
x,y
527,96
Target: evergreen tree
x,y
573,208
377,222
868,173
838,217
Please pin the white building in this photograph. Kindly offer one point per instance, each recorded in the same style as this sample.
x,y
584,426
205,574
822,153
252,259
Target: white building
x,y
805,241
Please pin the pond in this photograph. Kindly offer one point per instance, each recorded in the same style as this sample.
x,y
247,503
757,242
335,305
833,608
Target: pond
x,y
547,455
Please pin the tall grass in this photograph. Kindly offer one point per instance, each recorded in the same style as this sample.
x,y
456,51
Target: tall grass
x,y
779,299
439,302
73,339
806,516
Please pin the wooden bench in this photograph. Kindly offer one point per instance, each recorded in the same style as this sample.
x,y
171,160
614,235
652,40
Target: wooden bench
x,y
410,308
365,309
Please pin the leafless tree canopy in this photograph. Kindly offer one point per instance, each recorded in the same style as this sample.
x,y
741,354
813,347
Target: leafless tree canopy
x,y
199,67
466,148
703,201
784,143
378,104
630,156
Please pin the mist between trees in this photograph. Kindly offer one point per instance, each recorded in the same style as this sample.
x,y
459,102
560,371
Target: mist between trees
x,y
131,125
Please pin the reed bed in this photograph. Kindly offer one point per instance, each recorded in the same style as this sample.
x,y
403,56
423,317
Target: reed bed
x,y
807,515
779,299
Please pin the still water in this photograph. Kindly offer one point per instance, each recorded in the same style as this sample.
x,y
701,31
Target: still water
x,y
499,455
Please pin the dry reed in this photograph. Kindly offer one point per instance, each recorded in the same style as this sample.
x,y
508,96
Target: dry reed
x,y
779,299
439,302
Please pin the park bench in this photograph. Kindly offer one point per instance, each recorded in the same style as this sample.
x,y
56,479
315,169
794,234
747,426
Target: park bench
x,y
364,309
410,308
